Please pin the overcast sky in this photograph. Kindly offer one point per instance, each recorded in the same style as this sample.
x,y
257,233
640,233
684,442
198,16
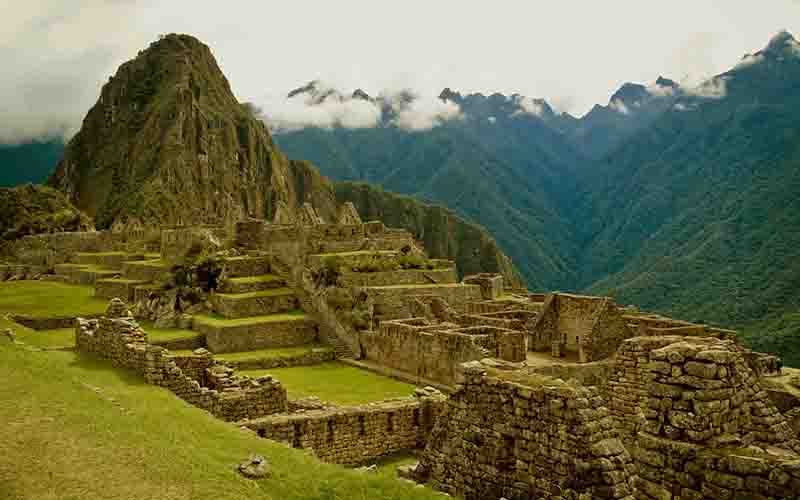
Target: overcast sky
x,y
574,53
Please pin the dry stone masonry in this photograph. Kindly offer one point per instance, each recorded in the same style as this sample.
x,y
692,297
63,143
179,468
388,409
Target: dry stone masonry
x,y
118,338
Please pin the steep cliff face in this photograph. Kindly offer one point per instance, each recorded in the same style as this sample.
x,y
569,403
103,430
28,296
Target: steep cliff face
x,y
168,142
446,236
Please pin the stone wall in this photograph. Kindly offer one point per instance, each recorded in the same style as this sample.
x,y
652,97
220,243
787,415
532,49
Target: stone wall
x,y
313,357
698,422
177,241
527,439
355,435
119,339
401,277
392,302
251,337
57,248
434,351
590,328
491,284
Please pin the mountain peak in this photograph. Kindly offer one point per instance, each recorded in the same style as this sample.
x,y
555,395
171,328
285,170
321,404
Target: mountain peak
x,y
169,143
630,93
780,42
450,95
666,82
360,94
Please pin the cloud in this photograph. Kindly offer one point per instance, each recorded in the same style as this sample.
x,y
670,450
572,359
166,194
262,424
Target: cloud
x,y
55,57
679,106
657,90
492,120
794,46
423,112
529,106
327,107
619,106
283,114
714,88
749,60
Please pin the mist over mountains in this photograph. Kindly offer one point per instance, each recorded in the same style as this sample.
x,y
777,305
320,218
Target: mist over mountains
x,y
676,197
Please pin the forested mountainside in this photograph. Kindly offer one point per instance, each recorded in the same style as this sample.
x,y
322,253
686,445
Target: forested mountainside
x,y
31,162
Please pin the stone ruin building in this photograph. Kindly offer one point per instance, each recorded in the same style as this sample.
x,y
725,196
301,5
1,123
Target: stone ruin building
x,y
521,395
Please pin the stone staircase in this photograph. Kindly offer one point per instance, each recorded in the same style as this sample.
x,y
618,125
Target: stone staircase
x,y
90,268
255,310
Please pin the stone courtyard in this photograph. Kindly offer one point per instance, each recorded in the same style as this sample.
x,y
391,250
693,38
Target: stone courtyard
x,y
519,395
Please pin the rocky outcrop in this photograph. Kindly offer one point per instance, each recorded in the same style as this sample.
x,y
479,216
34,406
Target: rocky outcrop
x,y
167,142
446,235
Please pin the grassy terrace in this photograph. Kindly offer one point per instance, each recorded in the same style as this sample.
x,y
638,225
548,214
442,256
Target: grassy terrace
x,y
218,320
280,352
265,278
337,383
49,299
272,292
165,334
74,428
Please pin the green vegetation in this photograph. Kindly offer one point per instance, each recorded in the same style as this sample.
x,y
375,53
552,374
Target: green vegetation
x,y
165,334
32,162
266,278
49,299
218,320
280,352
44,339
30,209
93,432
336,383
272,292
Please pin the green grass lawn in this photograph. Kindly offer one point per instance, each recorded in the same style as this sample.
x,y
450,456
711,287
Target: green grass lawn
x,y
215,319
165,334
336,383
49,299
74,428
279,352
46,339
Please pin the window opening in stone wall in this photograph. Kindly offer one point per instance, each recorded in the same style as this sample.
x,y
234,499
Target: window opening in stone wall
x,y
262,433
362,428
390,422
331,430
416,417
298,431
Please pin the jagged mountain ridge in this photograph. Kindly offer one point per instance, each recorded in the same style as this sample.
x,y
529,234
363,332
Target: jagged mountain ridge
x,y
704,183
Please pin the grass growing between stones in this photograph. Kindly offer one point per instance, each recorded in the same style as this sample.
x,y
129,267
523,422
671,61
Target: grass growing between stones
x,y
336,383
74,428
165,334
215,319
279,352
43,299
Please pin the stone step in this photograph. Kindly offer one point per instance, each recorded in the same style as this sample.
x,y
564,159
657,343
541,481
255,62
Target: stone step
x,y
117,288
112,260
243,305
391,302
249,284
400,277
84,274
283,357
240,267
144,270
259,332
350,259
